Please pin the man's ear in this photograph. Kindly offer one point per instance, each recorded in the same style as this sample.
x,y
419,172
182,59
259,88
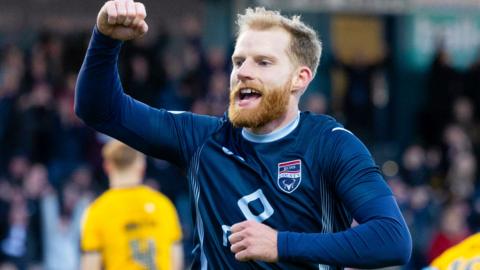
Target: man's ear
x,y
302,77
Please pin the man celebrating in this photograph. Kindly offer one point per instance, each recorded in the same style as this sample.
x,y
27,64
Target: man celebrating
x,y
272,187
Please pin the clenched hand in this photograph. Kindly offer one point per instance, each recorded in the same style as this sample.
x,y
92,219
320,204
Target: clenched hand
x,y
122,19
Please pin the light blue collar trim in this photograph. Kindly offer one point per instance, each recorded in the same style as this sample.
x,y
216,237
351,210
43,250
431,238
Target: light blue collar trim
x,y
272,136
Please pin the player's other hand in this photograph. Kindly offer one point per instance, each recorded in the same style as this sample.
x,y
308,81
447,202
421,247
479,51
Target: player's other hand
x,y
251,240
122,19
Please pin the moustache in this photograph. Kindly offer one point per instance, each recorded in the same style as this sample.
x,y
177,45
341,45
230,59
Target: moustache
x,y
252,85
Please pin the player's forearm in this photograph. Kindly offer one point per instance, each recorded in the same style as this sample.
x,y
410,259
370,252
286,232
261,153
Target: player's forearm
x,y
98,88
381,241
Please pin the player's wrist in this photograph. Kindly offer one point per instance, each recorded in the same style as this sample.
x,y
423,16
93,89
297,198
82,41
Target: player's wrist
x,y
98,36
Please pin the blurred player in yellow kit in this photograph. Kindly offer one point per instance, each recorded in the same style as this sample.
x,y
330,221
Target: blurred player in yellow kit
x,y
130,226
464,256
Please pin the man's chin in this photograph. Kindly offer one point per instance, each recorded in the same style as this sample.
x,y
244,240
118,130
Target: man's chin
x,y
243,117
249,118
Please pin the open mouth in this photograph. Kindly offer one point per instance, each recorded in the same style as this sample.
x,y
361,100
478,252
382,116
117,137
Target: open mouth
x,y
249,94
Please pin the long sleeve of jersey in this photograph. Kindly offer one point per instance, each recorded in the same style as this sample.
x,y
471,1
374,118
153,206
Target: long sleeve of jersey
x,y
381,238
101,103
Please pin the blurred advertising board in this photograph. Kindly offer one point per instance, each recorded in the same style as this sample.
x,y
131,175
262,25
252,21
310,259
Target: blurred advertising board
x,y
371,6
423,33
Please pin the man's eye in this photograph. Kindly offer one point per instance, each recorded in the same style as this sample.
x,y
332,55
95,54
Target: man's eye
x,y
237,63
264,63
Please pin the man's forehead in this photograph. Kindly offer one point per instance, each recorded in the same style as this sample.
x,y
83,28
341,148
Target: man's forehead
x,y
271,41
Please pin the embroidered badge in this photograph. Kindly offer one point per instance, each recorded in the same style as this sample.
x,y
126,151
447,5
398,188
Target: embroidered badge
x,y
289,175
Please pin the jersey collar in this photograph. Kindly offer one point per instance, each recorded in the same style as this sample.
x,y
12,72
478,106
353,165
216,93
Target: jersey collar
x,y
274,135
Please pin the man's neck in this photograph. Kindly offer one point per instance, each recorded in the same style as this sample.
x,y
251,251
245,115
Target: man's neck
x,y
124,180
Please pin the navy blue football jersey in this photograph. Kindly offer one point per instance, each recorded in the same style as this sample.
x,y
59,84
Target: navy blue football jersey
x,y
289,180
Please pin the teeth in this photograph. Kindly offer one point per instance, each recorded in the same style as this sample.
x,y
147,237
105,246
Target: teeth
x,y
248,91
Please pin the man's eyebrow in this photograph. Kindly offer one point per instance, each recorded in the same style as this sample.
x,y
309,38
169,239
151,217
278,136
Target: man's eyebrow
x,y
237,56
266,56
256,57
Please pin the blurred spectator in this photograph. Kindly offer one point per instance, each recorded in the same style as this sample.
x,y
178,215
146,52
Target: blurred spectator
x,y
420,215
434,164
40,123
139,83
200,106
315,102
11,74
463,115
473,84
5,194
413,167
173,95
359,97
34,186
380,100
14,246
18,168
461,176
444,86
74,142
81,177
61,217
453,228
218,93
191,28
53,46
195,77
217,60
37,71
456,142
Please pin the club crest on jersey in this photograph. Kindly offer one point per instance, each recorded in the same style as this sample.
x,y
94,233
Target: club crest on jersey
x,y
289,175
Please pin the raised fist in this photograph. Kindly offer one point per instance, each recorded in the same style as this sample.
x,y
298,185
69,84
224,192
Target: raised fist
x,y
122,19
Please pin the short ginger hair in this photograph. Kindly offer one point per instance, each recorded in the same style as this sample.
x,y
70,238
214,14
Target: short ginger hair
x,y
120,155
305,46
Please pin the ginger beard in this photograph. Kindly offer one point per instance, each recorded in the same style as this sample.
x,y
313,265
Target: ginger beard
x,y
273,104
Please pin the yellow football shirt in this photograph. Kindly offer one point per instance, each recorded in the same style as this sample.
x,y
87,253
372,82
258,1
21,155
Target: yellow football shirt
x,y
132,228
463,256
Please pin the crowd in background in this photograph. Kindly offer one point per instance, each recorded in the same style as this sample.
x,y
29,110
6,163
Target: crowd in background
x,y
50,165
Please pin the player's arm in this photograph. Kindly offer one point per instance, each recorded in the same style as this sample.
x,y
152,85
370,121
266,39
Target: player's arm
x,y
177,256
91,261
381,239
101,102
